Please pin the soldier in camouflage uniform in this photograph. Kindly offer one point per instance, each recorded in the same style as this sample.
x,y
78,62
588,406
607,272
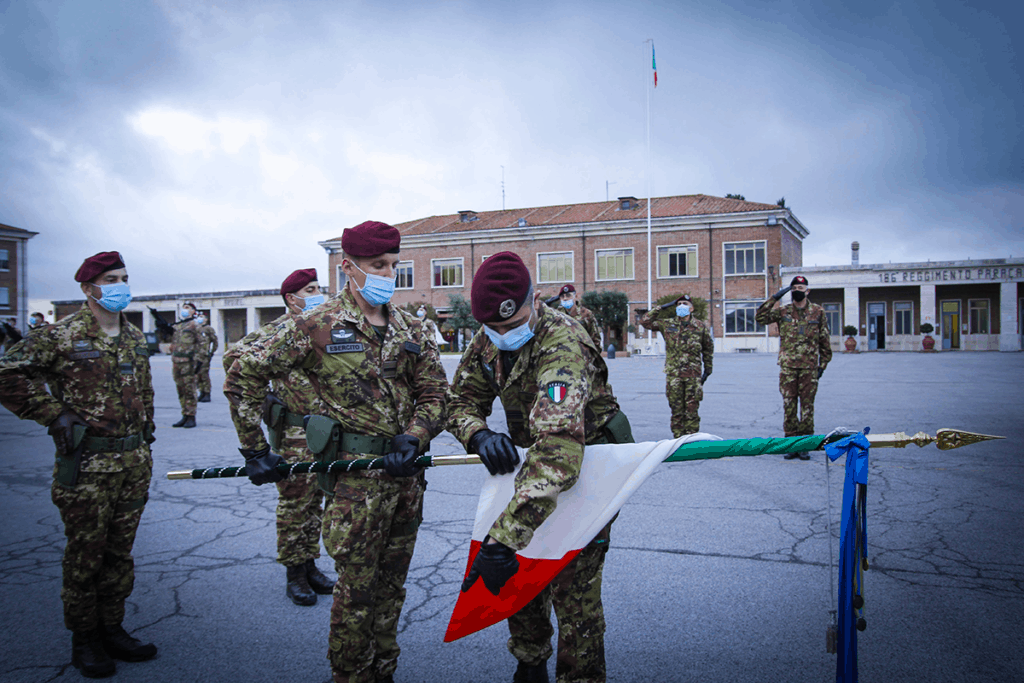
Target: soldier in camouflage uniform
x,y
99,411
299,500
208,343
185,364
553,385
688,341
429,326
804,352
378,380
582,315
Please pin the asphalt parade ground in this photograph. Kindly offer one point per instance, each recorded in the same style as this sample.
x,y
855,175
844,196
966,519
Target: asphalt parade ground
x,y
718,570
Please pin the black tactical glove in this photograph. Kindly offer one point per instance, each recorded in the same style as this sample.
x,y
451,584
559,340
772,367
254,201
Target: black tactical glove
x,y
781,293
61,430
704,377
147,432
821,371
401,461
670,304
495,564
260,465
497,451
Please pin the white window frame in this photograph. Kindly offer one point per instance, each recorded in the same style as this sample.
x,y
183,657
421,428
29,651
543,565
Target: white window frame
x,y
895,316
745,304
970,316
6,295
696,265
412,266
340,280
462,270
763,243
632,254
572,265
838,330
485,257
7,258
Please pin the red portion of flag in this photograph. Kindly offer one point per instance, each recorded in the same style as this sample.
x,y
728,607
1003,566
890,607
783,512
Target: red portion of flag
x,y
478,608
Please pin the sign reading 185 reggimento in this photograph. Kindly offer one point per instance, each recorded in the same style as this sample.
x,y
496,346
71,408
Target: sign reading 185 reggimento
x,y
953,274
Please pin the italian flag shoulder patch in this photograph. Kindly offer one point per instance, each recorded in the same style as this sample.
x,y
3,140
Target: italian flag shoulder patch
x,y
557,391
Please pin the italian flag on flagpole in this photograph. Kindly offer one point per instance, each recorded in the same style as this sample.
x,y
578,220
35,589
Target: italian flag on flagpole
x,y
608,477
654,65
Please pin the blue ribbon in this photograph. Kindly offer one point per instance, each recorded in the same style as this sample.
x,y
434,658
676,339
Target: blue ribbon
x,y
852,548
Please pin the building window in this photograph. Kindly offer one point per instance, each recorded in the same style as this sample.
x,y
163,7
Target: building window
x,y
744,258
447,272
979,316
833,314
677,261
5,297
904,313
614,264
403,279
739,318
554,267
5,260
342,279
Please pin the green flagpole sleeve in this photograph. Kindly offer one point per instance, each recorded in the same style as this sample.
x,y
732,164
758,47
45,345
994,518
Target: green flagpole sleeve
x,y
710,450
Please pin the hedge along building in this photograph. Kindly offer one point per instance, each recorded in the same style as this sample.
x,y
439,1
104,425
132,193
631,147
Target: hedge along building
x,y
726,251
973,305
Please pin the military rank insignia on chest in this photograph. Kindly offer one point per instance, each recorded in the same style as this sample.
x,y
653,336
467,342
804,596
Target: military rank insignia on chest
x,y
81,345
557,391
344,336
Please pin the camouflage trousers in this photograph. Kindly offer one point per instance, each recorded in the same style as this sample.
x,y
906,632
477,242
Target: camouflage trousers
x,y
370,528
101,515
798,385
684,396
203,374
184,373
299,511
576,596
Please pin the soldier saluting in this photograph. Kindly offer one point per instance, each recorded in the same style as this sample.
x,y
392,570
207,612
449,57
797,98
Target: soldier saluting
x,y
381,391
804,351
687,342
100,414
553,385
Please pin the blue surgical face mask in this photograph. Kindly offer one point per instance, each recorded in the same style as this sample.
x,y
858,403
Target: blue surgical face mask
x,y
567,303
377,290
311,302
185,315
200,320
421,314
114,297
683,310
514,339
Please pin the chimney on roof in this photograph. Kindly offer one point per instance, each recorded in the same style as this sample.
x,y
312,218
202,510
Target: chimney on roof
x,y
522,222
467,216
627,203
855,254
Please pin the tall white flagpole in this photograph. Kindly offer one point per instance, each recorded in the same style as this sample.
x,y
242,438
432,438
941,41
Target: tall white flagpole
x,y
647,80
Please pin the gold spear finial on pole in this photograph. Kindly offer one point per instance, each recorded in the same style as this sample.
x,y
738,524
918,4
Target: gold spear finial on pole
x,y
944,439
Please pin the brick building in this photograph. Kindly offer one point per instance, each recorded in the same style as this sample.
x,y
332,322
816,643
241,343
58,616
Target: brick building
x,y
14,274
727,251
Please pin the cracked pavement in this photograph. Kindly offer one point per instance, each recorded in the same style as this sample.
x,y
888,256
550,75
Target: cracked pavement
x,y
718,570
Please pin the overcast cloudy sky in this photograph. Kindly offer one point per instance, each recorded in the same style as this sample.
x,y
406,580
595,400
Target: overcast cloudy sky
x,y
213,143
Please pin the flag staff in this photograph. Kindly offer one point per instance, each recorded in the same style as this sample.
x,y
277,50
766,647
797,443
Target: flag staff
x,y
647,173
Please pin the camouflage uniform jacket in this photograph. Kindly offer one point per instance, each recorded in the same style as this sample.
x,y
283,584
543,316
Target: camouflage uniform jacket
x,y
185,342
430,328
294,389
556,398
687,343
803,334
105,380
208,342
585,317
373,388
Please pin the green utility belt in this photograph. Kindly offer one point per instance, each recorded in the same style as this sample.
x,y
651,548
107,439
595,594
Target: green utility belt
x,y
325,438
183,354
278,419
69,464
111,444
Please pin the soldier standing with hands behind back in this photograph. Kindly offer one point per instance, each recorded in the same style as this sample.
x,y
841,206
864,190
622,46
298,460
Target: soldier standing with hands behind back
x,y
687,342
99,411
184,357
206,348
804,351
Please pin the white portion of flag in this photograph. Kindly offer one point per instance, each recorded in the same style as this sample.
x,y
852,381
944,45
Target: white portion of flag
x,y
609,476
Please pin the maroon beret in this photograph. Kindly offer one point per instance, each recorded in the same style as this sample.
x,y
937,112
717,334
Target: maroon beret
x,y
371,238
798,280
684,297
568,288
97,265
298,280
500,288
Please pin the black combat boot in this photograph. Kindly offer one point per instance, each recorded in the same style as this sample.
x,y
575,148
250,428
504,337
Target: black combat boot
x,y
190,422
388,679
204,397
804,455
317,581
531,673
88,655
119,644
792,456
298,586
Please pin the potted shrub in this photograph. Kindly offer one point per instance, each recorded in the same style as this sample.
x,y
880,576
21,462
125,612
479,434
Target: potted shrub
x,y
927,342
851,344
